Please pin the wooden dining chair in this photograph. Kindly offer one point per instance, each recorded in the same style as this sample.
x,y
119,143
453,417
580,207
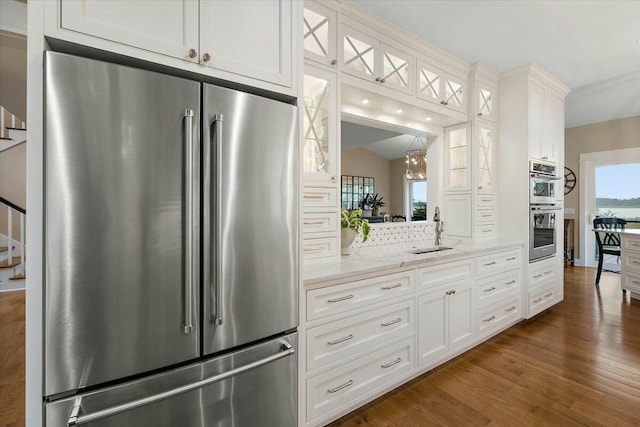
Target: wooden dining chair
x,y
608,243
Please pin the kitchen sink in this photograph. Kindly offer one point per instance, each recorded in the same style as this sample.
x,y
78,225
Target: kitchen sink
x,y
431,249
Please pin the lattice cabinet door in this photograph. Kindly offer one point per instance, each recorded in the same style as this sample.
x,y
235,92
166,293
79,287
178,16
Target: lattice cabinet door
x,y
486,157
486,105
319,33
430,81
455,92
359,54
319,126
397,69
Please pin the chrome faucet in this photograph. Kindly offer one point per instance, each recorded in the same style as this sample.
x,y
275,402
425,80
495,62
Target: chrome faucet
x,y
439,228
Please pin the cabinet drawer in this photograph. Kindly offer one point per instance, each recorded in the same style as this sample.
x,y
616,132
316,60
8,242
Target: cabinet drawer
x,y
486,216
493,288
485,201
341,387
348,296
496,263
630,243
493,318
542,273
540,298
486,231
320,248
630,261
340,339
430,277
319,197
630,280
314,223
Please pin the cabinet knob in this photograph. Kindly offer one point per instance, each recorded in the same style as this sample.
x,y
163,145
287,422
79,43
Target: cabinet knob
x,y
479,114
383,80
192,53
378,79
545,157
444,103
206,57
334,178
334,62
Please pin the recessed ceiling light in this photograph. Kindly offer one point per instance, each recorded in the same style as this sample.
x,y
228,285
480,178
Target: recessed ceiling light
x,y
365,101
428,119
399,111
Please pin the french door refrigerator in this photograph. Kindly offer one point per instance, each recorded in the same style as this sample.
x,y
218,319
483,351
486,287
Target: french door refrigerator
x,y
171,257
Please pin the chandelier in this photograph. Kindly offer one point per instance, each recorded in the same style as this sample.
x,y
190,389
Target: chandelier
x,y
416,160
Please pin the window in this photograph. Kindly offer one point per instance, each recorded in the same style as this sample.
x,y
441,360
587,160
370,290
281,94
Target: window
x,y
618,191
416,199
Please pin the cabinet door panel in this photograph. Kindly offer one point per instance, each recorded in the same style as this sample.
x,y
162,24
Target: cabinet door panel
x,y
553,135
358,53
250,38
433,342
536,109
319,33
455,92
461,321
486,158
169,27
429,82
396,69
457,154
486,101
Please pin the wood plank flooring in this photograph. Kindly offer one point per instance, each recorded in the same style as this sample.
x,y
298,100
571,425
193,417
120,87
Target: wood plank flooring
x,y
12,359
576,364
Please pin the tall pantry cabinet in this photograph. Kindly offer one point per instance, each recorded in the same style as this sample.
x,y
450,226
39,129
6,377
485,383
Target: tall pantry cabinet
x,y
531,127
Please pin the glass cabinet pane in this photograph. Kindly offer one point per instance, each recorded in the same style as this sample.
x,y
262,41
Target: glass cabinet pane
x,y
453,94
395,70
485,159
485,102
359,56
428,84
316,33
316,124
458,154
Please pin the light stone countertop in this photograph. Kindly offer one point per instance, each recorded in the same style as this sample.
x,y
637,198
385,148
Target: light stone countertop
x,y
380,258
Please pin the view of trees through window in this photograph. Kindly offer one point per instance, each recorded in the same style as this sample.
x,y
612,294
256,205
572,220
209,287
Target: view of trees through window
x,y
618,191
418,200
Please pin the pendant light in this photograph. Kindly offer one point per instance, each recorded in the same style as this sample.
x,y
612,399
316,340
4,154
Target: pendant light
x,y
416,160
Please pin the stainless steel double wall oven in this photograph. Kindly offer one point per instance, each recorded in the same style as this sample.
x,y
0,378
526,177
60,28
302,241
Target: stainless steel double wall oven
x,y
543,210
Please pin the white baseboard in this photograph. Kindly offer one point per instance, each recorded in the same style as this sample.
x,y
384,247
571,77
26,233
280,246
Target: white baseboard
x,y
12,285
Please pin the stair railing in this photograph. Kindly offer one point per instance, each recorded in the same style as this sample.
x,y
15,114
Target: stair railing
x,y
22,212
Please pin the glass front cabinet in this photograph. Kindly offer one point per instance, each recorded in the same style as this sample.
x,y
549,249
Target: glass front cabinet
x,y
485,157
319,124
319,34
457,157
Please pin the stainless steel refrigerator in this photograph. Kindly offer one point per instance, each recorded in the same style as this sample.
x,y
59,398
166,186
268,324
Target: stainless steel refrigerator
x,y
171,239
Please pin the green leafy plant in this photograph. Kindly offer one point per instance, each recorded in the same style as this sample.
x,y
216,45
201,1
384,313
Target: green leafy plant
x,y
376,202
365,202
353,219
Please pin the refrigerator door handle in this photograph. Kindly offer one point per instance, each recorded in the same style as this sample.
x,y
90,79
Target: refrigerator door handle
x,y
217,123
191,211
76,417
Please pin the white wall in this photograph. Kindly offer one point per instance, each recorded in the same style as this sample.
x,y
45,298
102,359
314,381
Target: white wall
x,y
13,16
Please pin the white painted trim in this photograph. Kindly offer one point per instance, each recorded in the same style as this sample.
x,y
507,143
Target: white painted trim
x,y
13,30
588,163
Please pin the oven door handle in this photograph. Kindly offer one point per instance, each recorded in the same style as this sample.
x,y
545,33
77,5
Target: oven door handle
x,y
546,177
546,208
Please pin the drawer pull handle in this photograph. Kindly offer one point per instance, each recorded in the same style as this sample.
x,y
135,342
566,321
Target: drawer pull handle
x,y
339,340
548,272
450,292
513,307
390,364
392,322
314,249
308,196
340,298
635,262
537,276
340,387
510,282
511,259
490,263
548,295
487,231
489,319
491,289
537,300
313,222
635,282
386,288
485,216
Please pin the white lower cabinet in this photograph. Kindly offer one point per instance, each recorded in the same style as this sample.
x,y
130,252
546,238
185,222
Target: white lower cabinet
x,y
445,321
342,387
497,316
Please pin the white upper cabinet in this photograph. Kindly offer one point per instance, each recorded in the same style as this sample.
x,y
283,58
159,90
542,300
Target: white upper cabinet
x,y
441,87
249,42
546,123
364,56
249,37
486,107
320,34
486,156
536,112
320,127
457,157
168,27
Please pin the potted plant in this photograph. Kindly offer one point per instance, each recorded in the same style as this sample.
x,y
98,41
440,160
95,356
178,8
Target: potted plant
x,y
352,224
365,205
376,203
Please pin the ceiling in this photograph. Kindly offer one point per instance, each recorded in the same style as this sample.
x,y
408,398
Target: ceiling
x,y
387,144
585,44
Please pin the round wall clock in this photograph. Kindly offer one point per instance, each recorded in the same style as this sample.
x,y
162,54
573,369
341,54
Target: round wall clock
x,y
569,180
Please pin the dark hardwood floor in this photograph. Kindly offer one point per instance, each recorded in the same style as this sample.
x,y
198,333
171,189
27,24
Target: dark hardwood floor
x,y
576,364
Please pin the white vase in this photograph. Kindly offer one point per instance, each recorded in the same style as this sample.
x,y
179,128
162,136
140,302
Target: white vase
x,y
347,237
